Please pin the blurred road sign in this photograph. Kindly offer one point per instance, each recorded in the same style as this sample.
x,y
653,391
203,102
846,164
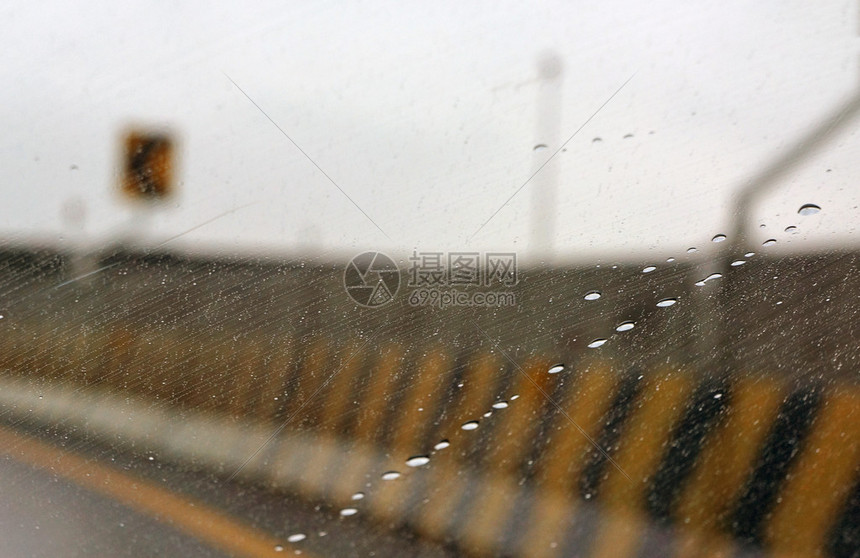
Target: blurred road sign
x,y
148,161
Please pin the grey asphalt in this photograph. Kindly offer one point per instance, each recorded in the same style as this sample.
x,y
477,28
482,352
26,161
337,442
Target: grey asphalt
x,y
45,515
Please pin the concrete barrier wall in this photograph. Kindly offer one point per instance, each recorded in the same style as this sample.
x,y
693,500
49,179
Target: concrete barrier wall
x,y
646,446
749,460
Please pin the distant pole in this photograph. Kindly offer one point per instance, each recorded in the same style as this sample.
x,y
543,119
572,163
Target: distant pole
x,y
82,260
545,184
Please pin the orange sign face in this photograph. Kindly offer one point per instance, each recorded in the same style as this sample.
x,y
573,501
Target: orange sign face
x,y
148,166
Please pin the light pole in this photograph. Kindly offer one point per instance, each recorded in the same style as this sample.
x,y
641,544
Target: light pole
x,y
545,187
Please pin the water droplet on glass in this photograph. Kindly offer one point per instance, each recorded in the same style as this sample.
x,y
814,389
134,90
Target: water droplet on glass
x,y
296,538
488,414
769,242
555,368
592,295
514,397
666,302
710,277
471,425
808,209
596,140
670,260
628,136
791,229
442,445
346,512
596,343
540,147
624,326
718,238
749,254
390,475
500,405
649,269
718,396
737,263
279,548
358,496
691,250
418,461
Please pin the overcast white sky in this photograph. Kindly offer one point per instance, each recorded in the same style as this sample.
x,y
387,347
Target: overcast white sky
x,y
426,114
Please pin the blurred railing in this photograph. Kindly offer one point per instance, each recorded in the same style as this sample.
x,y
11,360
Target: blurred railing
x,y
632,450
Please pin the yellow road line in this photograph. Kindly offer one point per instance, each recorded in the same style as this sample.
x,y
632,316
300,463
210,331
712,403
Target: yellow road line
x,y
181,512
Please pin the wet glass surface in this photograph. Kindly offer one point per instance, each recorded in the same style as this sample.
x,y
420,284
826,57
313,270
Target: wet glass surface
x,y
481,280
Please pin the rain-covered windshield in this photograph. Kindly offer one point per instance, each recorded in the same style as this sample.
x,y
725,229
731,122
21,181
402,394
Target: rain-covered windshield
x,y
374,279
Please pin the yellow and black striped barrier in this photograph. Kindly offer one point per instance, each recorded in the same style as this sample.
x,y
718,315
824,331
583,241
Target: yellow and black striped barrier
x,y
594,461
